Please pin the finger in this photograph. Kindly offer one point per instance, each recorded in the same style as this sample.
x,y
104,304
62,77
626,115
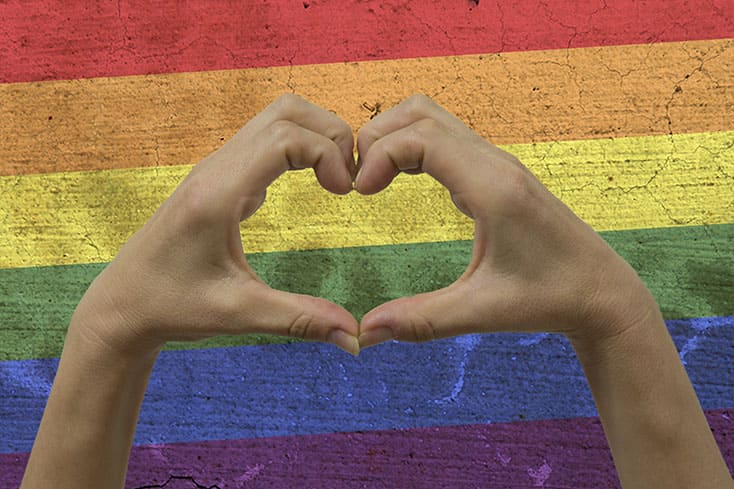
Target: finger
x,y
271,311
290,107
404,114
424,317
244,175
427,146
401,150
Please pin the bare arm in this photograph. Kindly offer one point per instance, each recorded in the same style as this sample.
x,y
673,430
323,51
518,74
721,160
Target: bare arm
x,y
183,276
538,267
88,425
654,424
535,267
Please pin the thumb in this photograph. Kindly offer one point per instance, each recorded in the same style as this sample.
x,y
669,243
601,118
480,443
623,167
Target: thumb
x,y
272,311
424,317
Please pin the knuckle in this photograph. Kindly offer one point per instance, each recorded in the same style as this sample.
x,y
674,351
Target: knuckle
x,y
281,129
421,328
518,181
194,204
518,190
420,99
418,104
421,134
302,326
281,134
367,134
339,131
288,104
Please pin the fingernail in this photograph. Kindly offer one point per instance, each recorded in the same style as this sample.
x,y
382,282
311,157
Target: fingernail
x,y
375,337
345,341
356,179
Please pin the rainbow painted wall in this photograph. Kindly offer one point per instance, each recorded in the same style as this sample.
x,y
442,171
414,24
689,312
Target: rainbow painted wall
x,y
624,109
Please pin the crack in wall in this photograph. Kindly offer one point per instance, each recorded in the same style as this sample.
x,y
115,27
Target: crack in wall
x,y
503,31
574,33
712,240
125,34
700,327
677,89
450,41
184,478
289,83
467,343
224,47
91,243
156,149
702,59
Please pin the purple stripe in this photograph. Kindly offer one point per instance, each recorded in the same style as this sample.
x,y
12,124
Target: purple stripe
x,y
313,388
548,453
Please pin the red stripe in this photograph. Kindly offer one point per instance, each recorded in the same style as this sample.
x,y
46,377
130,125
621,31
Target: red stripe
x,y
67,39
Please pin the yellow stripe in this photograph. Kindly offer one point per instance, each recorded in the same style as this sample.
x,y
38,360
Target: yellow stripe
x,y
510,98
640,182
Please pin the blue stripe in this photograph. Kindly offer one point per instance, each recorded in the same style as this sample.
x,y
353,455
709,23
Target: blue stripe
x,y
309,388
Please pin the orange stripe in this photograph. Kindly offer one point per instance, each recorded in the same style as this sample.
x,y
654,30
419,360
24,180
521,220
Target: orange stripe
x,y
510,98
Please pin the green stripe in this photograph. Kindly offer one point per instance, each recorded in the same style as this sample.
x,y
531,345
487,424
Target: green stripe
x,y
689,269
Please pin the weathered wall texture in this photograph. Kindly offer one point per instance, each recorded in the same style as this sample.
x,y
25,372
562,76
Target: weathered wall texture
x,y
624,109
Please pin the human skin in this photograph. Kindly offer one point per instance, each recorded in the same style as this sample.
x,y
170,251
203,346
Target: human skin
x,y
535,267
183,276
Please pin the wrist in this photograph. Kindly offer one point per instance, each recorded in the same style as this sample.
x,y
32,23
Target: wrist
x,y
624,322
106,322
656,430
89,422
99,340
89,351
626,335
617,303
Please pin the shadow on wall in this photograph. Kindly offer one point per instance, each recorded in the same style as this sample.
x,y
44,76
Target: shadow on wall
x,y
362,278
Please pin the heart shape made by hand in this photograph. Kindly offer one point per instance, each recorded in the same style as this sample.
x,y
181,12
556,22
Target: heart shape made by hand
x,y
535,265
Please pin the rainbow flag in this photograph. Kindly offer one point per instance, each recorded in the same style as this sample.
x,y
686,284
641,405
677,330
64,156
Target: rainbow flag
x,y
623,109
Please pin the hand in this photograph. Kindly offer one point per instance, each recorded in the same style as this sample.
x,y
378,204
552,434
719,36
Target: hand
x,y
535,265
184,276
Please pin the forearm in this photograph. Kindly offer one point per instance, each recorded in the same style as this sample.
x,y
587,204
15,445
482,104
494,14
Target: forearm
x,y
89,421
655,426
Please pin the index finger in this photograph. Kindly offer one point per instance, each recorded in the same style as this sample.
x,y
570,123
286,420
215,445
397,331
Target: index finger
x,y
290,107
406,113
